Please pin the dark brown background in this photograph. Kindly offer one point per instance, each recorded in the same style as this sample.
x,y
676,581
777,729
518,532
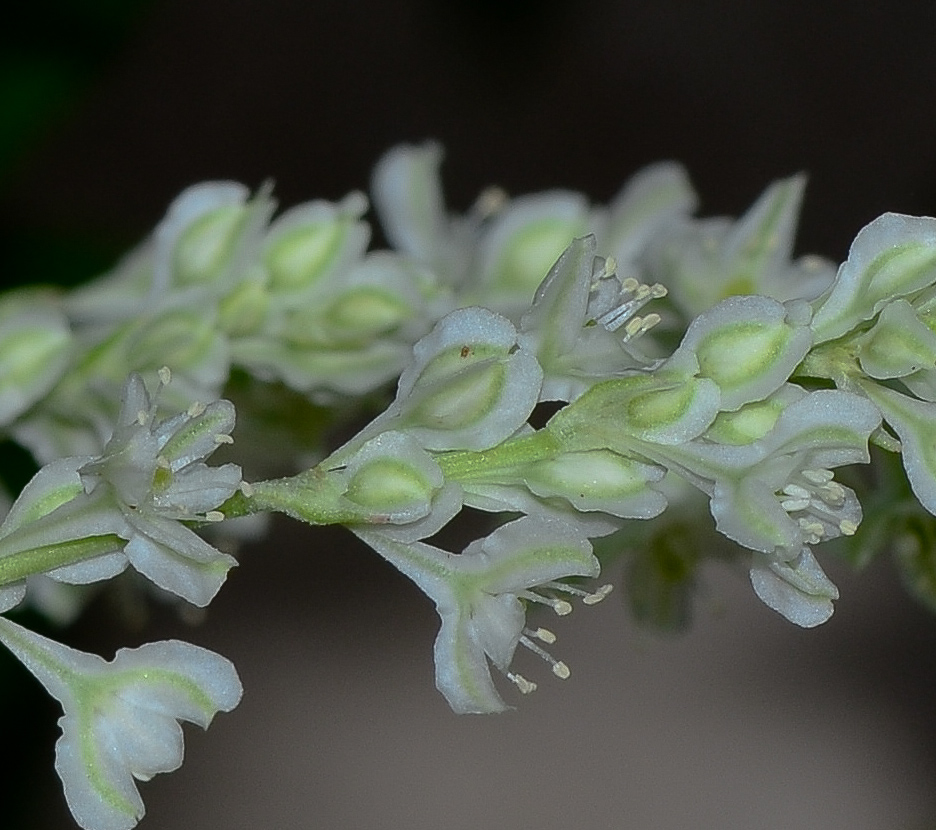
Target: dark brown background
x,y
746,722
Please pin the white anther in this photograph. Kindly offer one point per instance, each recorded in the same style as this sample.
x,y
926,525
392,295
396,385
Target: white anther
x,y
142,417
223,438
490,201
196,409
848,527
633,328
165,375
599,595
792,505
833,494
817,476
610,266
544,635
560,606
650,321
214,516
247,489
561,670
525,686
796,491
629,285
658,291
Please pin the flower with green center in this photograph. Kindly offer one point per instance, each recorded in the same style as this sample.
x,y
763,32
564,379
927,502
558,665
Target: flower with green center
x,y
481,597
121,717
469,386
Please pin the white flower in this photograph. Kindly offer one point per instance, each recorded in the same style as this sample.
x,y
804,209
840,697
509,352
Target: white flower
x,y
573,324
481,594
121,717
704,261
154,476
777,493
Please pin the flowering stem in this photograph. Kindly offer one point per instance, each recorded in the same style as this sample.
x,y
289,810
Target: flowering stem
x,y
17,566
471,465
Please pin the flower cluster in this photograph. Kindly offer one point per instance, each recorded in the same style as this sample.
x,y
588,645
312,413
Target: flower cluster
x,y
597,379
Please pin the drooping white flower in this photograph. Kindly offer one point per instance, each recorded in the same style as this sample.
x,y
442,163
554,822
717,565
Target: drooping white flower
x,y
121,717
777,494
480,596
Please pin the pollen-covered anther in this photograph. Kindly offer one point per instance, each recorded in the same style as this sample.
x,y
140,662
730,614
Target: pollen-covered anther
x,y
214,516
817,476
223,438
560,606
832,493
247,489
196,409
525,686
490,201
165,375
560,669
848,527
597,596
544,635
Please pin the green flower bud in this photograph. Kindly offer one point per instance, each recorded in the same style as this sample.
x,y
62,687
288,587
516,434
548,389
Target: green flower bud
x,y
35,343
310,241
898,344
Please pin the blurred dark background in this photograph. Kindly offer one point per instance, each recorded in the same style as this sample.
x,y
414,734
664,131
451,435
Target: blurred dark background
x,y
109,107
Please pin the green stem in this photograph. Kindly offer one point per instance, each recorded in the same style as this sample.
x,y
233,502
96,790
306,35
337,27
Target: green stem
x,y
472,465
18,566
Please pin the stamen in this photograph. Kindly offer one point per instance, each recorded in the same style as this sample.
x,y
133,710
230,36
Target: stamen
x,y
223,438
796,491
247,489
599,595
196,409
560,606
560,669
817,476
792,505
525,686
634,295
542,634
490,201
848,527
214,516
165,375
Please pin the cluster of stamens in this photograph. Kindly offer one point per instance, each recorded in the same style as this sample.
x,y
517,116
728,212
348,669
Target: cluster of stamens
x,y
561,607
632,296
822,498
